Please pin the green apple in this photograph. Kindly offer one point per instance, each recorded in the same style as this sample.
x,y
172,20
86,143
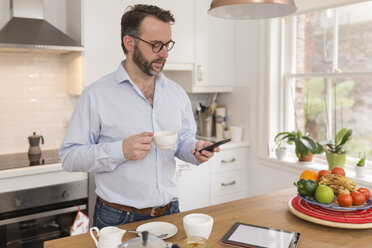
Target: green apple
x,y
324,194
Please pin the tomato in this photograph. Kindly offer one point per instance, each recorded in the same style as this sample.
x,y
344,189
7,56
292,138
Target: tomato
x,y
338,170
345,200
322,173
365,192
358,198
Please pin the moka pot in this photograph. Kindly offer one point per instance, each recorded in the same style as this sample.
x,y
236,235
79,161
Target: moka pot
x,y
34,141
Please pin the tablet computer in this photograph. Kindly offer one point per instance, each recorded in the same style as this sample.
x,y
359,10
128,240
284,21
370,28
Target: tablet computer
x,y
246,235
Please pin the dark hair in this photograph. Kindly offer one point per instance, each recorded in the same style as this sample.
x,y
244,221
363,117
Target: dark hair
x,y
134,15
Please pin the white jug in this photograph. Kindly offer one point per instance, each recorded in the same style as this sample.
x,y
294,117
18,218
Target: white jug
x,y
108,236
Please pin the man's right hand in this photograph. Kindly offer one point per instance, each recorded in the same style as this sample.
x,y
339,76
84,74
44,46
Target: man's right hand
x,y
137,146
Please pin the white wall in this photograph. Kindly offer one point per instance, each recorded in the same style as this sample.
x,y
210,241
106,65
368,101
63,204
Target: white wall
x,y
33,98
247,105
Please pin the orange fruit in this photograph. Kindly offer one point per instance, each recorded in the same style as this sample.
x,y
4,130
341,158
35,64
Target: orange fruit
x,y
309,174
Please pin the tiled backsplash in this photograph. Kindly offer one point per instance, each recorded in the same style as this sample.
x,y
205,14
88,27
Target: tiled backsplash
x,y
33,98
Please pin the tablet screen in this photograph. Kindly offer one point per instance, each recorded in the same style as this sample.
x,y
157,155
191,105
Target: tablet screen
x,y
244,235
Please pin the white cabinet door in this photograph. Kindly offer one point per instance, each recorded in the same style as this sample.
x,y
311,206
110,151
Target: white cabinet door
x,y
214,44
228,177
193,185
101,35
102,43
182,29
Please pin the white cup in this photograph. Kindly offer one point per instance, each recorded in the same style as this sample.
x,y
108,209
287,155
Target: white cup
x,y
165,140
109,236
199,225
236,133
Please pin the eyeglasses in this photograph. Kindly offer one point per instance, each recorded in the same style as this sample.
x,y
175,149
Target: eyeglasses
x,y
158,46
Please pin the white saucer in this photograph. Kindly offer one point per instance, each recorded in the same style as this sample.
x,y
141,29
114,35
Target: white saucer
x,y
158,228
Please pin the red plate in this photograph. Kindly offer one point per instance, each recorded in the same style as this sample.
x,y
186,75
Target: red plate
x,y
354,217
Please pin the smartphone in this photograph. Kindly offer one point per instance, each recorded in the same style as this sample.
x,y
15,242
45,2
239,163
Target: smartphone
x,y
211,147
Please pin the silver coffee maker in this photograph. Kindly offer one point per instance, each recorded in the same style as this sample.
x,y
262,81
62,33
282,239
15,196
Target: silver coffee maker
x,y
34,151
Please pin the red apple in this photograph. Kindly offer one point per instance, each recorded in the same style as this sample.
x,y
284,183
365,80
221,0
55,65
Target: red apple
x,y
338,170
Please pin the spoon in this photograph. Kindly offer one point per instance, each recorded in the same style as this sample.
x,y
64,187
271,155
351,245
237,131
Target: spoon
x,y
160,236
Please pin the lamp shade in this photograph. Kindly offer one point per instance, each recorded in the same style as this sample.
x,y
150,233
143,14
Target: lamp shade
x,y
251,9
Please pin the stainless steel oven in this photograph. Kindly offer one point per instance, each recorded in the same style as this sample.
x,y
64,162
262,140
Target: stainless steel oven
x,y
31,216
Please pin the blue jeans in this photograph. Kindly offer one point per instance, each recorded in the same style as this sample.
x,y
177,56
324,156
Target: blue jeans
x,y
105,215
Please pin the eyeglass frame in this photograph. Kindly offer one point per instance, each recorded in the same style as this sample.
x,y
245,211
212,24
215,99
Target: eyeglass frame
x,y
156,43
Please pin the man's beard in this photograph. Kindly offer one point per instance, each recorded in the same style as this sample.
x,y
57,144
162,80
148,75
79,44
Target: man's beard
x,y
145,65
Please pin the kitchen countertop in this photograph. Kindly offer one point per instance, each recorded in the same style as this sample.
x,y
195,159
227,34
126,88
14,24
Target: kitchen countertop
x,y
12,179
268,210
16,173
19,164
55,167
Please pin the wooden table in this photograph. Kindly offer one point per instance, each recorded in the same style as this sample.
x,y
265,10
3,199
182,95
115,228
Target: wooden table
x,y
266,210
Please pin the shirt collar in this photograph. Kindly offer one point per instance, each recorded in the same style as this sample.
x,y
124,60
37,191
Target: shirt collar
x,y
123,77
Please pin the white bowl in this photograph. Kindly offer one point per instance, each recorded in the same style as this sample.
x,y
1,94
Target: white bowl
x,y
199,225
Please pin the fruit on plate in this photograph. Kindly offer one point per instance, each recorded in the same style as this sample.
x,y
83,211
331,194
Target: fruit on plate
x,y
324,194
345,200
338,180
338,189
322,173
309,174
306,187
358,198
338,171
366,193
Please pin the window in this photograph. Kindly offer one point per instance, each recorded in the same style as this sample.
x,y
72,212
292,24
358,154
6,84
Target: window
x,y
329,75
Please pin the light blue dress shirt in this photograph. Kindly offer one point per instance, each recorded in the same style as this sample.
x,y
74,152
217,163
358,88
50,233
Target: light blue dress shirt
x,y
113,109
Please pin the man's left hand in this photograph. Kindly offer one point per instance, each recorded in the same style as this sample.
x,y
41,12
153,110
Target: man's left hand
x,y
204,156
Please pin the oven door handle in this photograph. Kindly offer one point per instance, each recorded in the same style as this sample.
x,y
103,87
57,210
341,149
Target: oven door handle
x,y
42,214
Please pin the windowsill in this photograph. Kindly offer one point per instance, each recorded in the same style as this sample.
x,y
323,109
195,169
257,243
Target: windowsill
x,y
293,165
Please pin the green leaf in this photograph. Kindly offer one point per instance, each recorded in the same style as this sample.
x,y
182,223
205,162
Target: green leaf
x,y
346,136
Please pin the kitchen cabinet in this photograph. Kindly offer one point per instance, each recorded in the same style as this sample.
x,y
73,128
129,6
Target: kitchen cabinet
x,y
102,42
214,50
101,37
182,54
193,184
223,178
213,67
201,61
228,175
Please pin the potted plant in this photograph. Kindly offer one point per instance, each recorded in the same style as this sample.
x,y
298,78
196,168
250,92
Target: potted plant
x,y
305,146
280,149
335,152
360,168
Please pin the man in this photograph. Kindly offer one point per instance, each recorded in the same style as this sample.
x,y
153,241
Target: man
x,y
111,129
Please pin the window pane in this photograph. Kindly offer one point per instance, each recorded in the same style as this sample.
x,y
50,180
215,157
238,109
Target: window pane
x,y
354,111
314,42
310,107
355,37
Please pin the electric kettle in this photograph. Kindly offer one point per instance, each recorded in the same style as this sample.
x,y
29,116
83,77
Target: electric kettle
x,y
34,141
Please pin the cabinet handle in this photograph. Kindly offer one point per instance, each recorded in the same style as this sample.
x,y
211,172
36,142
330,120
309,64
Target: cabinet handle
x,y
228,161
228,184
199,72
182,167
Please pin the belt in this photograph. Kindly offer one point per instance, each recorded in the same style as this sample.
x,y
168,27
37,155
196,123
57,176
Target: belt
x,y
154,212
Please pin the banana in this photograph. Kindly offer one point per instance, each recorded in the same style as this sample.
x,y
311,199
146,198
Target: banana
x,y
338,189
335,179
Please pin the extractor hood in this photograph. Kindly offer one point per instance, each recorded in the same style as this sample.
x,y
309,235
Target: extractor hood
x,y
27,30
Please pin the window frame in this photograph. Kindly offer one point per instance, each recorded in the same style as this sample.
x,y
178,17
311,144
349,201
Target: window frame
x,y
287,64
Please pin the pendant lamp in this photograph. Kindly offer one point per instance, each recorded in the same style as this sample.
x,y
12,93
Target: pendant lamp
x,y
251,9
